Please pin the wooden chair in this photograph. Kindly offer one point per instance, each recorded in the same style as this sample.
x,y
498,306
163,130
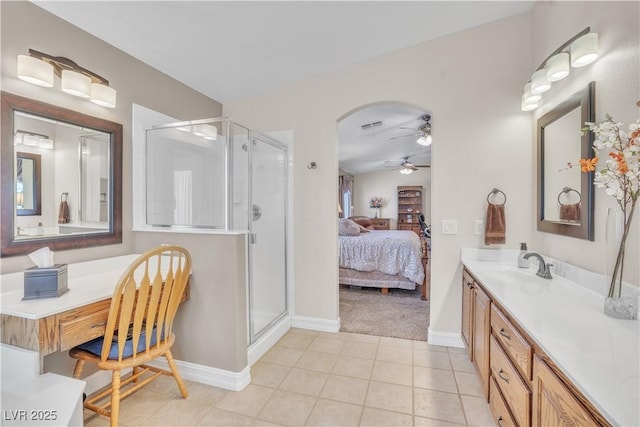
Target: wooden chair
x,y
139,327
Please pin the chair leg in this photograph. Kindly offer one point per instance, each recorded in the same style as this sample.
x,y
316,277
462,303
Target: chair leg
x,y
176,374
77,371
134,372
115,398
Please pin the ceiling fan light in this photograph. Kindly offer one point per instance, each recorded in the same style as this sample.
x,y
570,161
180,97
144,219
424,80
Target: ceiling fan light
x,y
584,50
35,71
558,67
406,171
76,83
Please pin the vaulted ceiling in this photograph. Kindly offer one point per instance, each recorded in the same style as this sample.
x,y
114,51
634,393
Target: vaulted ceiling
x,y
235,49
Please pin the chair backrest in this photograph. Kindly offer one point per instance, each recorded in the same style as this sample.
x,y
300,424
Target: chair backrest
x,y
146,297
423,225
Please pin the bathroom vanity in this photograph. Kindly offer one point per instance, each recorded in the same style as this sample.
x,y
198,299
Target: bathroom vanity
x,y
543,349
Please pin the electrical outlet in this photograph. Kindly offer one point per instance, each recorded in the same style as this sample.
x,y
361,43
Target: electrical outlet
x,y
478,225
449,226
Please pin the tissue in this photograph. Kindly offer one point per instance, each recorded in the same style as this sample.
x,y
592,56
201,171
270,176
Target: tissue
x,y
42,258
46,280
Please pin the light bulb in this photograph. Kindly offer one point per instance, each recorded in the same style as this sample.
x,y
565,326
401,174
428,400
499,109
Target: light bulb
x,y
584,50
558,67
35,71
539,82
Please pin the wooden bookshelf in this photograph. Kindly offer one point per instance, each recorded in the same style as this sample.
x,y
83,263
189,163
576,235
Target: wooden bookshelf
x,y
409,207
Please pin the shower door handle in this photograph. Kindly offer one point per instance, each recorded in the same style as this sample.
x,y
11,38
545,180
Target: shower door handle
x,y
253,238
256,212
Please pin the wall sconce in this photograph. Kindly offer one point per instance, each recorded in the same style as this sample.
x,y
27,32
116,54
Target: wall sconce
x,y
32,139
38,68
579,50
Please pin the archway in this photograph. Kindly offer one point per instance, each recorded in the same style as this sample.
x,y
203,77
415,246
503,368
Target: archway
x,y
378,153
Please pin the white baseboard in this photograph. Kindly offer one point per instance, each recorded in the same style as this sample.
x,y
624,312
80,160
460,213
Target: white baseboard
x,y
268,340
234,381
448,339
315,324
229,380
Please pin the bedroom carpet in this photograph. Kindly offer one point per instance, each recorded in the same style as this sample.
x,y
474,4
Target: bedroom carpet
x,y
399,314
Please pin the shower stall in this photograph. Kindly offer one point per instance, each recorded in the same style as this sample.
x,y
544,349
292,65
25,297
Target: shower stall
x,y
216,174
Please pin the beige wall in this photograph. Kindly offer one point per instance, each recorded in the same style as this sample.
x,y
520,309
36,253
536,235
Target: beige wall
x,y
211,327
385,184
472,83
617,77
26,26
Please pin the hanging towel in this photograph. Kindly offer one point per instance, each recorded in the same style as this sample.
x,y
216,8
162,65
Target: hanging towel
x,y
495,225
570,212
63,212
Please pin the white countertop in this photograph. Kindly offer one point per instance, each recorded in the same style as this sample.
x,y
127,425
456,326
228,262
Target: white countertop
x,y
88,282
600,354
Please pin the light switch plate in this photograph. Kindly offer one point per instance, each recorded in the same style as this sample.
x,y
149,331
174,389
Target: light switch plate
x,y
478,226
449,226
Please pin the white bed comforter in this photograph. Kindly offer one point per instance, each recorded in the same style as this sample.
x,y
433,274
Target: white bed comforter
x,y
388,251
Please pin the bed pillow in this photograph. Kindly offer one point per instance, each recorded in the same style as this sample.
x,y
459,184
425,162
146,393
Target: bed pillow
x,y
363,221
363,229
346,227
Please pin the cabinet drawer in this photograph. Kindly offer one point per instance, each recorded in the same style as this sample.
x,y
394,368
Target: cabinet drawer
x,y
518,349
499,407
513,388
84,324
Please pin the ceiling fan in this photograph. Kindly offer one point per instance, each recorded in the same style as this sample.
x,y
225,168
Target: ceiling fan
x,y
407,167
423,132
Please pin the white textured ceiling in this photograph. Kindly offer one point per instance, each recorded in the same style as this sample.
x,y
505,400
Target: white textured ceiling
x,y
235,49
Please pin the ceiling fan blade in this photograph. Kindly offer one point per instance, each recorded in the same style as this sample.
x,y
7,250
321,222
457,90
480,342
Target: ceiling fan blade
x,y
404,127
401,136
422,166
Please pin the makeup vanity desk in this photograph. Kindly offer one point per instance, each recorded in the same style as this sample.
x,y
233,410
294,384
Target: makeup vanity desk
x,y
49,325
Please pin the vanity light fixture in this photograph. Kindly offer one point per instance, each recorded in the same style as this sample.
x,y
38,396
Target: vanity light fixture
x,y
579,50
38,68
32,139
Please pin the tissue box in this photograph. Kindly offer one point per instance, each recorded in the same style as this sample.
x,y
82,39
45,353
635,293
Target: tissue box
x,y
46,282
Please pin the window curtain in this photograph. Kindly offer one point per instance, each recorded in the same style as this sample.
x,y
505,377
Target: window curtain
x,y
345,186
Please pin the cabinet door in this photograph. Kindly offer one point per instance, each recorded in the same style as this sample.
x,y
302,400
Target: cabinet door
x,y
553,402
481,330
467,312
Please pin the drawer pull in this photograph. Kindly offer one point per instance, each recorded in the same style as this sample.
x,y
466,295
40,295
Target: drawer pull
x,y
502,377
500,420
98,325
501,332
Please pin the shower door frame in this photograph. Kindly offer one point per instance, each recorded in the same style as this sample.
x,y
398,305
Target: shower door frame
x,y
252,336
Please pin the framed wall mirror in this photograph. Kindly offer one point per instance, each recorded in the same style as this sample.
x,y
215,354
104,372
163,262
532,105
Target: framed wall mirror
x,y
565,193
28,194
61,178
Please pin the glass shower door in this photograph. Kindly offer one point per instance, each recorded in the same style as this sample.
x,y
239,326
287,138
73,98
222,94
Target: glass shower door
x,y
267,239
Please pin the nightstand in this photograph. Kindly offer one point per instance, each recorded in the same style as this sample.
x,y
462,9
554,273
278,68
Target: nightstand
x,y
380,223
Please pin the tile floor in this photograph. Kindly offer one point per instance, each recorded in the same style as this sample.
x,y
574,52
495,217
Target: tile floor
x,y
322,379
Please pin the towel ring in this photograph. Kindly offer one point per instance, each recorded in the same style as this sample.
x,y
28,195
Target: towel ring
x,y
64,197
493,193
566,191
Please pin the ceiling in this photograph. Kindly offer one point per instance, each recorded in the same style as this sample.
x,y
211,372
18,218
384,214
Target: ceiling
x,y
234,49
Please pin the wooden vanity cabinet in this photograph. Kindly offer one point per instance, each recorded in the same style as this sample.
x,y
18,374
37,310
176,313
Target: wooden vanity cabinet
x,y
481,333
476,327
467,311
522,389
553,403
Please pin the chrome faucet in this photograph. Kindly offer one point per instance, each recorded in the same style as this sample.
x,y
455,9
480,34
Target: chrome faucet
x,y
543,268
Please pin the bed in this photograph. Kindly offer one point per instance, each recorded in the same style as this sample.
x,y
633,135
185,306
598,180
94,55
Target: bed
x,y
382,259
